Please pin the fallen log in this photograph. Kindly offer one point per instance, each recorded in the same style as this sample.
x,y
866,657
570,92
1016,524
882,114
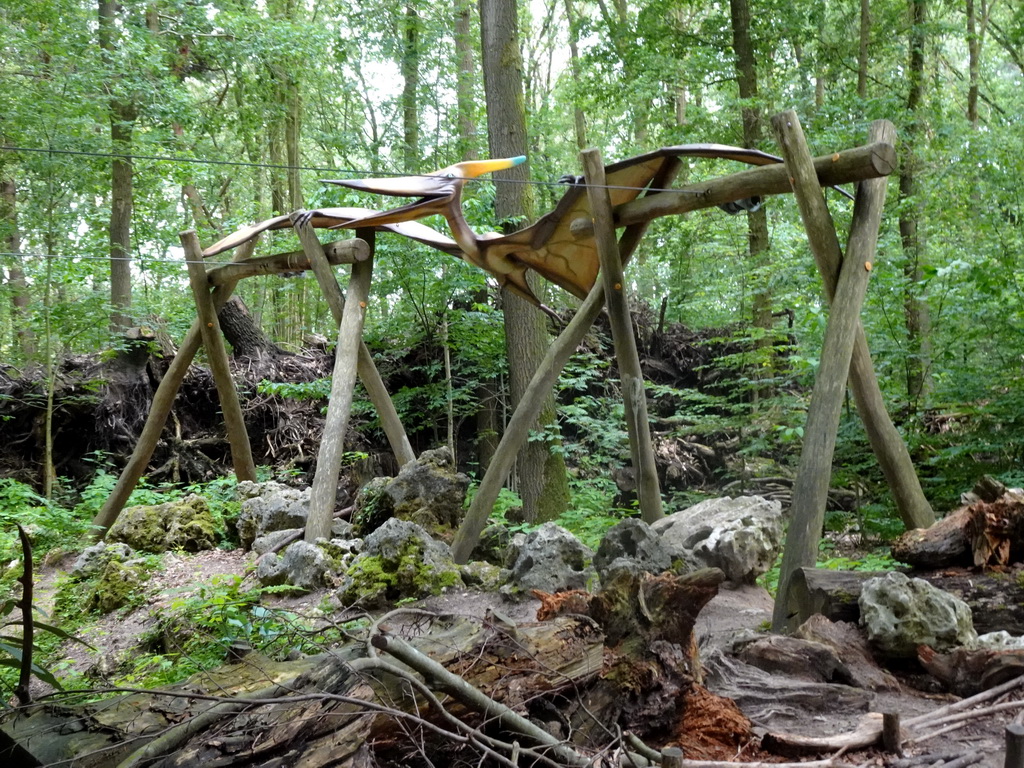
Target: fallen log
x,y
980,534
996,599
316,711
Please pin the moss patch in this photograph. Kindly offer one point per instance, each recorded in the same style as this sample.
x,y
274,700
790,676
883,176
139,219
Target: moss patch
x,y
378,579
187,525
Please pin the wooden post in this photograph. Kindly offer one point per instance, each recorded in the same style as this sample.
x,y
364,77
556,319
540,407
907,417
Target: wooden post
x,y
671,757
517,430
810,489
892,737
630,374
160,409
346,354
367,370
1014,746
886,441
217,354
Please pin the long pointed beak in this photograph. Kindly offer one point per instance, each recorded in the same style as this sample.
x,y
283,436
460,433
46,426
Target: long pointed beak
x,y
436,191
436,184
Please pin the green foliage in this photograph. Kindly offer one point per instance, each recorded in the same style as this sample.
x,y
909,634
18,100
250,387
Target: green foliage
x,y
591,511
199,627
12,648
50,525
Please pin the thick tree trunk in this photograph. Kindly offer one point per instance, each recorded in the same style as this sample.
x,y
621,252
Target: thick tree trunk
x,y
410,67
757,222
862,49
246,338
542,479
465,80
122,119
24,336
915,306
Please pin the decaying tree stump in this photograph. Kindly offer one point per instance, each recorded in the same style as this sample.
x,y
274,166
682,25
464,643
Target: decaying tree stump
x,y
982,533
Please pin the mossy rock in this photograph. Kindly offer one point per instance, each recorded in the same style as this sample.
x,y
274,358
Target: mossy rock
x,y
400,561
118,585
373,506
186,525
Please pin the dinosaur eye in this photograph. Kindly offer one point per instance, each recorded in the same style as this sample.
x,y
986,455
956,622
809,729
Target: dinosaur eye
x,y
450,175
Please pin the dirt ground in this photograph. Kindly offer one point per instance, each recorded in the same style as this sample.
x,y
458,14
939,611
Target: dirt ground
x,y
735,612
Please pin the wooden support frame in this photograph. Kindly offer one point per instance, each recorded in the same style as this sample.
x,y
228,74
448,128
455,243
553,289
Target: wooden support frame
x,y
160,410
366,368
217,356
339,409
630,374
846,283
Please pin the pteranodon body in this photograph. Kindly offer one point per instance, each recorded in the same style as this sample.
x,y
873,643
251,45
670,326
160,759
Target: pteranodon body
x,y
548,246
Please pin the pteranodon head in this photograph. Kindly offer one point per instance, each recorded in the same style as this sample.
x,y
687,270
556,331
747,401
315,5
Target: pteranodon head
x,y
439,192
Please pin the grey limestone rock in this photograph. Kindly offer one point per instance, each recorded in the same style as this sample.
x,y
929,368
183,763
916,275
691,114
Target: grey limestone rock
x,y
399,560
270,507
302,565
741,536
95,558
186,524
552,559
900,613
631,545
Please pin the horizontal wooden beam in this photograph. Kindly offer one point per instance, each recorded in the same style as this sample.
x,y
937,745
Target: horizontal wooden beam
x,y
339,252
868,162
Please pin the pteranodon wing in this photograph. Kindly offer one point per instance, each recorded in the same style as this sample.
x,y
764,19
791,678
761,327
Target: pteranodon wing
x,y
551,249
340,217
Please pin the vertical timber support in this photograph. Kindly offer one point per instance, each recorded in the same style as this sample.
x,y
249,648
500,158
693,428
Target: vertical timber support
x,y
367,370
160,409
518,429
339,409
810,489
633,394
234,422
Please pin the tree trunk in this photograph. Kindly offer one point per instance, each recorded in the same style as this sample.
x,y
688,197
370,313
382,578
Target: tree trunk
x,y
542,484
122,119
757,222
862,49
24,336
579,120
410,66
465,80
915,306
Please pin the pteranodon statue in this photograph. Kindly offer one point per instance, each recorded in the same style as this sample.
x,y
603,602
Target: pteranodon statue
x,y
548,246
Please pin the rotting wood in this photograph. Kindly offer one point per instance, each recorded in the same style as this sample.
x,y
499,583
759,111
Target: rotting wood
x,y
160,410
985,533
867,734
339,252
217,356
1014,746
633,391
